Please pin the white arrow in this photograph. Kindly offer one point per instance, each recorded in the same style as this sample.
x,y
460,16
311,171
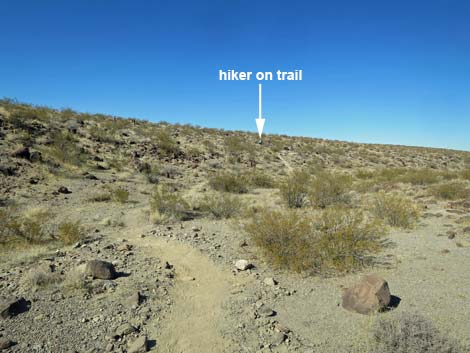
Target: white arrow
x,y
260,121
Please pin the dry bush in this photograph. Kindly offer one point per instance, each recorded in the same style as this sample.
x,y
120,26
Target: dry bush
x,y
65,149
395,210
41,277
465,174
451,191
229,182
420,177
101,197
260,180
20,229
294,189
328,189
70,232
410,333
120,195
338,240
167,204
221,205
166,144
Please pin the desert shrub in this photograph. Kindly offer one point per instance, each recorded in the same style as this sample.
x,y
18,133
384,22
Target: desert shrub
x,y
20,229
65,149
120,195
329,189
170,171
69,232
420,177
166,144
229,182
260,180
465,174
410,333
451,191
101,197
365,174
294,189
221,205
395,210
338,240
168,204
390,174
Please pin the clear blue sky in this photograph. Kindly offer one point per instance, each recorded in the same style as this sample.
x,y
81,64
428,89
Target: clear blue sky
x,y
374,71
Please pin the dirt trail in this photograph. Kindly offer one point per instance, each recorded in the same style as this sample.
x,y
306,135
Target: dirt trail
x,y
286,163
199,294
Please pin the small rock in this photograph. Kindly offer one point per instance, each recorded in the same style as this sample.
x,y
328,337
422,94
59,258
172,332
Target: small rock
x,y
188,278
124,330
278,338
370,294
134,300
64,190
265,311
100,269
243,265
13,306
269,281
140,345
5,344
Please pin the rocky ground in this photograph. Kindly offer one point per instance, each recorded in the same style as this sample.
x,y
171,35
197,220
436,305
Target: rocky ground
x,y
179,286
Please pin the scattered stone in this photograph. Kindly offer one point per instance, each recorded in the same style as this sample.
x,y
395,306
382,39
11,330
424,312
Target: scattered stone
x,y
243,265
370,294
100,269
140,345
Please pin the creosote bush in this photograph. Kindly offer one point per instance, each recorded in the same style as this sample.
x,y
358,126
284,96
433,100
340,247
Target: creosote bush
x,y
229,182
70,232
294,189
395,210
410,333
120,195
328,189
338,240
451,191
221,205
167,204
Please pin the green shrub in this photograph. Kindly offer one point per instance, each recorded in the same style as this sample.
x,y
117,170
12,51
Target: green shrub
x,y
166,144
338,240
260,180
229,182
329,189
410,333
70,232
294,189
221,205
167,204
395,210
120,195
451,191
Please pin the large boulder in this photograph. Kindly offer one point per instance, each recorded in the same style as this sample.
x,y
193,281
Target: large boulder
x,y
100,269
370,294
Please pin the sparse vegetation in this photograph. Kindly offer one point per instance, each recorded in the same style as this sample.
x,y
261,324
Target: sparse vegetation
x,y
120,195
328,189
395,210
166,204
338,240
451,191
70,232
229,182
294,189
410,333
221,205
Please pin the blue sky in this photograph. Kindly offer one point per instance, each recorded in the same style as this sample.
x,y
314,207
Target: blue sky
x,y
374,71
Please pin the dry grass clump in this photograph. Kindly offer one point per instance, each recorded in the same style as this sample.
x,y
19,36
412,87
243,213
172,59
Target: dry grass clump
x,y
229,182
21,229
260,180
451,191
166,204
166,144
70,232
221,205
329,189
395,210
41,277
420,177
338,240
64,148
294,189
410,333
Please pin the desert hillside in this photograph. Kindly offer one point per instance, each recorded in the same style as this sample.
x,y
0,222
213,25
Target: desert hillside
x,y
122,235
